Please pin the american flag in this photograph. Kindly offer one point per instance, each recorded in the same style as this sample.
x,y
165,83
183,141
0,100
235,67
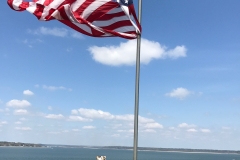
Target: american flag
x,y
97,18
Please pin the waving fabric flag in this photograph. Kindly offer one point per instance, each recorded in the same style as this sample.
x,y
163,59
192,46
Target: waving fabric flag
x,y
97,18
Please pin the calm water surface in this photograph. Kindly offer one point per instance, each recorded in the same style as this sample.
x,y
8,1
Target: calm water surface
x,y
15,153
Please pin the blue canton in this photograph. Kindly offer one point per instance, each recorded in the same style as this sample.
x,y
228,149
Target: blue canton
x,y
124,2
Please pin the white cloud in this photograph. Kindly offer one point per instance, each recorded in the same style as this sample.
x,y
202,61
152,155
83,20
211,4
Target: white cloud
x,y
50,108
127,117
20,112
99,114
149,131
54,116
18,122
88,127
22,119
59,32
130,117
3,122
23,128
54,132
179,51
30,43
74,111
191,130
179,93
145,120
79,118
92,113
18,103
54,88
65,131
128,131
185,125
1,110
205,130
76,35
125,53
115,135
28,92
76,130
226,128
115,126
153,125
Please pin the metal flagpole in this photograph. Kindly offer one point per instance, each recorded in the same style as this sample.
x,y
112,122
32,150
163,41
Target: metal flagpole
x,y
136,110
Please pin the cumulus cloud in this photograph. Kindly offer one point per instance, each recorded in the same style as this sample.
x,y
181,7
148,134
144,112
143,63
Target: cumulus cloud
x,y
185,125
88,127
54,132
28,92
18,103
58,32
179,93
191,130
127,131
54,88
205,130
153,125
99,114
74,111
130,117
23,128
115,135
95,114
50,108
54,116
226,128
20,112
22,119
125,53
79,118
76,35
91,114
149,131
115,126
18,122
3,122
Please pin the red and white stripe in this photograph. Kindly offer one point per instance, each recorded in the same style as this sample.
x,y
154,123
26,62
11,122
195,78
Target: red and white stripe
x,y
97,18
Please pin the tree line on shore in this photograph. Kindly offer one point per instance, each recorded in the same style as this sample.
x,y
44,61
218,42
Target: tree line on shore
x,y
18,144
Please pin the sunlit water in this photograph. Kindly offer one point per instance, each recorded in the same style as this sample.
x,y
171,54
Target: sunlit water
x,y
18,153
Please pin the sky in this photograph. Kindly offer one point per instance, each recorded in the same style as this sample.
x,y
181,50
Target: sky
x,y
58,86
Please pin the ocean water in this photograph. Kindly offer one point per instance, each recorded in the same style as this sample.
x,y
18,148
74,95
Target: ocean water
x,y
18,153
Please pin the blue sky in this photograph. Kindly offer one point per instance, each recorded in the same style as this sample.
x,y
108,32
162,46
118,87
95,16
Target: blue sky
x,y
58,86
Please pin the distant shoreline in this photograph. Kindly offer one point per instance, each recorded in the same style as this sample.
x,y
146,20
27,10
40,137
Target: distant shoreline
x,y
188,152
143,149
18,144
178,150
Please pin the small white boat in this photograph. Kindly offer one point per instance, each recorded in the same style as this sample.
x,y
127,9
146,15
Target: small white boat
x,y
101,158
